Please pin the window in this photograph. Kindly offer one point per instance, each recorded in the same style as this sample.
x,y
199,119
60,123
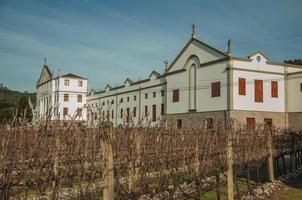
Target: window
x,y
268,122
146,111
215,89
112,114
122,113
175,95
128,114
107,102
300,87
80,83
274,88
112,101
146,95
121,100
179,124
250,122
134,111
258,90
134,97
65,112
79,112
103,103
162,93
79,98
241,86
210,123
153,113
66,82
154,94
128,98
162,109
66,97
108,114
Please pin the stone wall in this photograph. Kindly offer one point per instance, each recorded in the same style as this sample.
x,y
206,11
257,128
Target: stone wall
x,y
295,120
278,118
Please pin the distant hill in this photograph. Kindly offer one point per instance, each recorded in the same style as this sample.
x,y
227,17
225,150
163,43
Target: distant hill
x,y
9,99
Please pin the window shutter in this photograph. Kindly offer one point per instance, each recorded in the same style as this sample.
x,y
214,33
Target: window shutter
x,y
146,111
242,86
274,87
175,95
153,113
250,122
215,89
258,90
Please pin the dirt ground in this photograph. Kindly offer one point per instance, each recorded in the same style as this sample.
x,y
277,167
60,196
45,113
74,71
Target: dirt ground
x,y
291,190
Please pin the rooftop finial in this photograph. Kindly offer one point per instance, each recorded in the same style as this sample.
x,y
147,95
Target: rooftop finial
x,y
166,64
193,31
45,61
229,47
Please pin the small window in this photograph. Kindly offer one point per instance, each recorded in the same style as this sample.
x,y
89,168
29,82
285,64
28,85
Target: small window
x,y
121,100
128,99
146,95
154,94
215,89
80,83
241,86
210,123
300,87
274,88
112,101
65,111
112,114
128,114
66,82
134,97
79,112
66,97
162,93
179,124
103,103
154,113
146,111
79,98
175,95
250,122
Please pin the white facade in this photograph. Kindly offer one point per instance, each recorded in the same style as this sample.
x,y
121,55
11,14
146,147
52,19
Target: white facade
x,y
62,97
202,79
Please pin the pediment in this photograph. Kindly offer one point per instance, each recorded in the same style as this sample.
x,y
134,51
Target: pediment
x,y
45,75
204,52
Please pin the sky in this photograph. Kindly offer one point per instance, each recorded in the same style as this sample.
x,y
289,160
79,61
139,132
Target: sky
x,y
109,41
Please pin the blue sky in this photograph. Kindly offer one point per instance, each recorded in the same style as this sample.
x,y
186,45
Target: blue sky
x,y
108,41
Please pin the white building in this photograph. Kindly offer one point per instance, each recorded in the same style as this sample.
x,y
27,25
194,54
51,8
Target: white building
x,y
203,82
62,97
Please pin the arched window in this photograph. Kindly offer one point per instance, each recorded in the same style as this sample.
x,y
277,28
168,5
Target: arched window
x,y
192,87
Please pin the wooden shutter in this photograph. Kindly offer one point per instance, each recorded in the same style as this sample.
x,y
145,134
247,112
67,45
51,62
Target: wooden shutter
x,y
175,95
79,98
241,86
65,111
153,113
274,88
66,97
258,90
250,122
215,89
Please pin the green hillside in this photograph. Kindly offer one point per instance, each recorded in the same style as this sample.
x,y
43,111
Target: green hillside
x,y
10,100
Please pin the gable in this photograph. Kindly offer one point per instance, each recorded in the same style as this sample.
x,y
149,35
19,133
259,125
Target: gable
x,y
45,75
203,51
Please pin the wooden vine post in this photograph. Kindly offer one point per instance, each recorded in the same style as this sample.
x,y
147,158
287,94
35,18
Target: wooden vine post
x,y
134,169
107,154
230,173
270,157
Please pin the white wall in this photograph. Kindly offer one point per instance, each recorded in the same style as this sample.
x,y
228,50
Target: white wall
x,y
294,93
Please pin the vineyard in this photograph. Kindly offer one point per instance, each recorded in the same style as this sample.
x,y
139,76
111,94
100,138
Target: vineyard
x,y
76,162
